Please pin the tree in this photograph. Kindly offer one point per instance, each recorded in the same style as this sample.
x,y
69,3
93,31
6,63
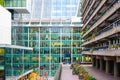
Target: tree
x,y
2,2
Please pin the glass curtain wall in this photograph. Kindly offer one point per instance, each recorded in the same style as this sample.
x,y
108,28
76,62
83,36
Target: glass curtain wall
x,y
52,45
14,62
2,64
15,3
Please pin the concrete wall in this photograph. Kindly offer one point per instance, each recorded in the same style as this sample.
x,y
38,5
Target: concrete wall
x,y
5,26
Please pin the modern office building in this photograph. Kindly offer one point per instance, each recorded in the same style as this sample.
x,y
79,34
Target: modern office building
x,y
54,33
12,58
101,34
15,60
52,43
18,6
51,28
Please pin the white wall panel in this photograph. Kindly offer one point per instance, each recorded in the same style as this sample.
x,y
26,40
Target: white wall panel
x,y
5,26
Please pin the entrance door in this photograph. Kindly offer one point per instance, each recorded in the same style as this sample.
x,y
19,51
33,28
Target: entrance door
x,y
68,58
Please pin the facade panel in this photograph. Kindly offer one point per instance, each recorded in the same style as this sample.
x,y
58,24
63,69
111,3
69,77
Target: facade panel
x,y
53,45
5,33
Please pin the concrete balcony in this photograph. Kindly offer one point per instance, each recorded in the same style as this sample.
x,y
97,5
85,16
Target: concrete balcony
x,y
85,14
110,52
106,32
83,2
86,4
95,12
104,17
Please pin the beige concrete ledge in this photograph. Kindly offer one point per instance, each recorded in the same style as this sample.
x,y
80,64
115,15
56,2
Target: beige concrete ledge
x,y
110,52
104,35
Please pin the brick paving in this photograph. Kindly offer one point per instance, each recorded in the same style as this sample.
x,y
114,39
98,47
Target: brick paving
x,y
67,73
99,75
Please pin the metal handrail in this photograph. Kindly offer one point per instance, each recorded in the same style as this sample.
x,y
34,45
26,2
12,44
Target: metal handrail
x,y
111,26
101,20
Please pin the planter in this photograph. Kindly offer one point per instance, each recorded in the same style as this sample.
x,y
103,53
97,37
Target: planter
x,y
73,72
93,37
80,76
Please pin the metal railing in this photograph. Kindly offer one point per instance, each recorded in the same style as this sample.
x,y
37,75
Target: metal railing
x,y
93,14
107,13
98,48
114,27
115,24
88,16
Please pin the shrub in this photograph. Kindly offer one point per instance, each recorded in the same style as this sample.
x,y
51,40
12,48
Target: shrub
x,y
91,78
91,50
81,72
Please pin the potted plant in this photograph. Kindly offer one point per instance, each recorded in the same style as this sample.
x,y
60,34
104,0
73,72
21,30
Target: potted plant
x,y
115,46
86,76
94,34
91,50
82,33
72,65
80,76
91,78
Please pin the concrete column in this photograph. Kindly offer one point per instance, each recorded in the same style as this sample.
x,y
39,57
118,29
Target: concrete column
x,y
96,63
82,58
93,62
107,66
115,69
101,65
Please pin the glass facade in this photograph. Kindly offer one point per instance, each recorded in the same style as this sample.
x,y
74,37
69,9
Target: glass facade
x,y
15,61
15,3
19,7
51,44
50,9
64,8
1,63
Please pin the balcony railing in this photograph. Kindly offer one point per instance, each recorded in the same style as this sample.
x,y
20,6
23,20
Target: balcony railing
x,y
111,29
111,10
95,11
85,14
98,48
85,5
86,17
115,24
103,51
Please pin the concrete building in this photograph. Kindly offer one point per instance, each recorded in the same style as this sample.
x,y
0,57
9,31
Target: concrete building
x,y
101,34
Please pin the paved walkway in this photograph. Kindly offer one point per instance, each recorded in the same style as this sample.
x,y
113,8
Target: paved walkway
x,y
99,75
67,73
